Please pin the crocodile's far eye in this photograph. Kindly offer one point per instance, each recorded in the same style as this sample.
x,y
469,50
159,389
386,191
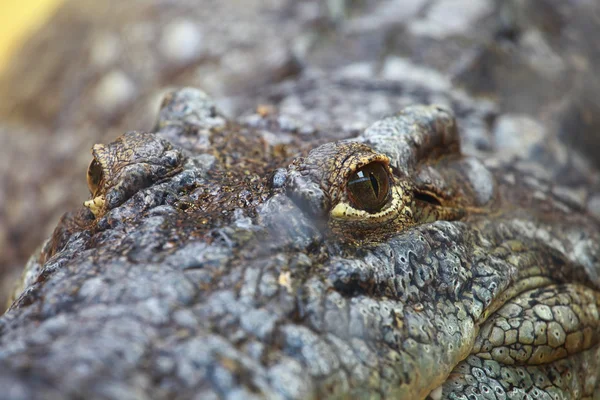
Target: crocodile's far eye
x,y
369,187
94,176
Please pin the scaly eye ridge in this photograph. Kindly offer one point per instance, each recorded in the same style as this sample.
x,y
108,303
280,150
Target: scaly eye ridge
x,y
369,187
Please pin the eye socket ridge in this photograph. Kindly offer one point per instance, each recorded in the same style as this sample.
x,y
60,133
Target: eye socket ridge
x,y
369,187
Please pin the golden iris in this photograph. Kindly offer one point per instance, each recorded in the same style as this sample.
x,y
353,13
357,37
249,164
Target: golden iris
x,y
369,187
94,176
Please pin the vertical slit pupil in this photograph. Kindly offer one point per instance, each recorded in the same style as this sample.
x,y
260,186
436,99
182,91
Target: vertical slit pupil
x,y
375,184
369,187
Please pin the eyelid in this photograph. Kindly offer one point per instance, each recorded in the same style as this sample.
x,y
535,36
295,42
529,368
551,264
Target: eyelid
x,y
358,163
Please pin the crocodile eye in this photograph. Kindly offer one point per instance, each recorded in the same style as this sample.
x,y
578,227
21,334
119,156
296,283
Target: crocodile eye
x,y
369,187
94,176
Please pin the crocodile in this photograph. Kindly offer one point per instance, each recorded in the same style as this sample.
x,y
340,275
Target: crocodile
x,y
96,69
249,258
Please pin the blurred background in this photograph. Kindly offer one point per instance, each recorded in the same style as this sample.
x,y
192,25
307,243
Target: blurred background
x,y
19,18
79,72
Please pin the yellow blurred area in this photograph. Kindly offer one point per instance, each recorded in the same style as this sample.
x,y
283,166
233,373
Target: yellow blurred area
x,y
18,19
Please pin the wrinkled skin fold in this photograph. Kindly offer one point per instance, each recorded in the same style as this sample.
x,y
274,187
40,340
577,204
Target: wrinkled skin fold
x,y
213,262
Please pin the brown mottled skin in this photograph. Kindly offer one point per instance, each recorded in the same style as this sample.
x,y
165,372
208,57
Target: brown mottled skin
x,y
237,261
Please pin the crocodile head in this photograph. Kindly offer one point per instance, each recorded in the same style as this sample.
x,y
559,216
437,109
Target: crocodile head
x,y
261,264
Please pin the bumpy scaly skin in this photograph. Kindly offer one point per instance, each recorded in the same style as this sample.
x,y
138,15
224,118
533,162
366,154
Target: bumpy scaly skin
x,y
134,161
242,270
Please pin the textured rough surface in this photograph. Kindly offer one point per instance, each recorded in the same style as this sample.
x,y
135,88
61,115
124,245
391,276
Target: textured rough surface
x,y
98,69
226,259
225,250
